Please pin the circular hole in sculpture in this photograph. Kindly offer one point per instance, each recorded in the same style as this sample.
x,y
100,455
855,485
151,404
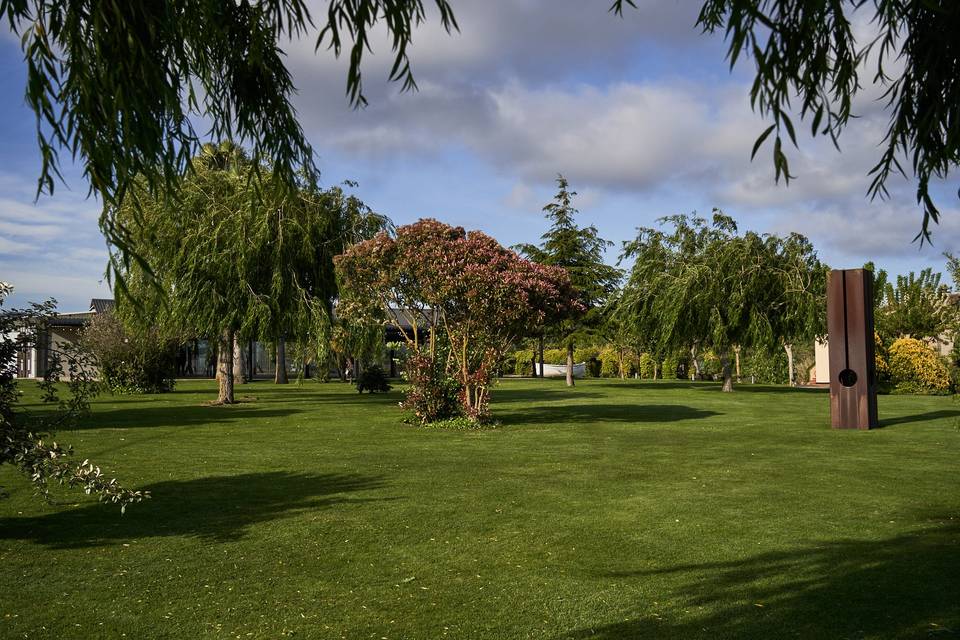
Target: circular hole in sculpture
x,y
848,377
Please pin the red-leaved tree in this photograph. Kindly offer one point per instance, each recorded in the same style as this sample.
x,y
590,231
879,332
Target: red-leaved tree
x,y
434,279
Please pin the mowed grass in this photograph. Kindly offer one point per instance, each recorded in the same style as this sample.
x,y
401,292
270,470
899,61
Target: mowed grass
x,y
616,509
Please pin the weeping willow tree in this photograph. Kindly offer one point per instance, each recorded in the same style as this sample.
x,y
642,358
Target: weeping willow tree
x,y
325,223
702,285
222,261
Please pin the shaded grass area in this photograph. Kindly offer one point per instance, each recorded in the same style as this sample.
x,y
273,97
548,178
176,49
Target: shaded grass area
x,y
616,509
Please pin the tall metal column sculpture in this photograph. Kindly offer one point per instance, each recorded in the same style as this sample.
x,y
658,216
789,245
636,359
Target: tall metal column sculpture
x,y
853,386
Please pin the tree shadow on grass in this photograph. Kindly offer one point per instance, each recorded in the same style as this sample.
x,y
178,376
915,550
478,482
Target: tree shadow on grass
x,y
213,509
592,413
702,385
907,586
503,395
161,415
942,414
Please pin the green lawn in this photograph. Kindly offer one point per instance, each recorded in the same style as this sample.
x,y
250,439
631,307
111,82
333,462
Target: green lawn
x,y
612,510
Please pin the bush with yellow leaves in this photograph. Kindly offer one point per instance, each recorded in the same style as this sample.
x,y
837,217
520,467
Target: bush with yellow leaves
x,y
882,359
916,368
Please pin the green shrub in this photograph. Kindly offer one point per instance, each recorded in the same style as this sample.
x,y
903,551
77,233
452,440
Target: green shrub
x,y
710,365
523,362
609,363
372,379
670,367
130,363
765,366
645,367
917,368
555,356
616,362
590,356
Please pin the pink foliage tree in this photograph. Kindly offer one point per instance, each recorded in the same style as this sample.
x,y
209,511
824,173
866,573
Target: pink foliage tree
x,y
482,296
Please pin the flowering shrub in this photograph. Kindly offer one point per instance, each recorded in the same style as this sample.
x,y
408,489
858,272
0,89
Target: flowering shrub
x,y
432,395
916,368
477,295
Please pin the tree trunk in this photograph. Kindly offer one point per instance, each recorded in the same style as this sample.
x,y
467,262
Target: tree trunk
x,y
540,345
656,367
225,367
696,363
736,354
791,376
280,376
239,375
727,373
533,363
570,364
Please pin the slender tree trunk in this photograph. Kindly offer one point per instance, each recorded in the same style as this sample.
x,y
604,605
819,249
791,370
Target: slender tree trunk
x,y
736,355
465,374
696,363
656,366
225,367
727,373
570,364
533,363
540,350
239,373
791,376
280,376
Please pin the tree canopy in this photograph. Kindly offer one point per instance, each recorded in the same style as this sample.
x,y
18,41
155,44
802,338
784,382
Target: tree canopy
x,y
806,56
703,285
915,306
217,261
116,83
481,296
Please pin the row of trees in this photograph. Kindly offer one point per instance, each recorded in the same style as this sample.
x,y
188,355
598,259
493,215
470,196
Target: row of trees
x,y
697,286
694,285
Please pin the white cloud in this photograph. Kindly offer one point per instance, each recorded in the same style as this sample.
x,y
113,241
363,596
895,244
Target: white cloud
x,y
34,231
14,248
523,198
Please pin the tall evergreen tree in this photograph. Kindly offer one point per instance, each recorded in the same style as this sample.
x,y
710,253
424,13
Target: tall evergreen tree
x,y
579,250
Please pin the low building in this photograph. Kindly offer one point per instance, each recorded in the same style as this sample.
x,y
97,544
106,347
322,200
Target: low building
x,y
195,358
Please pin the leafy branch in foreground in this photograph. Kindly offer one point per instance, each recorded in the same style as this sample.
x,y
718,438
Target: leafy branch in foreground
x,y
806,52
116,83
26,438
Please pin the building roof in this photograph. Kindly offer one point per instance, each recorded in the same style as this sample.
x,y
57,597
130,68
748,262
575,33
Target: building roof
x,y
102,305
76,319
81,318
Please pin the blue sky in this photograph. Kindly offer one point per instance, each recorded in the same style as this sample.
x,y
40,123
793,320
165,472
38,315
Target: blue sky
x,y
641,114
